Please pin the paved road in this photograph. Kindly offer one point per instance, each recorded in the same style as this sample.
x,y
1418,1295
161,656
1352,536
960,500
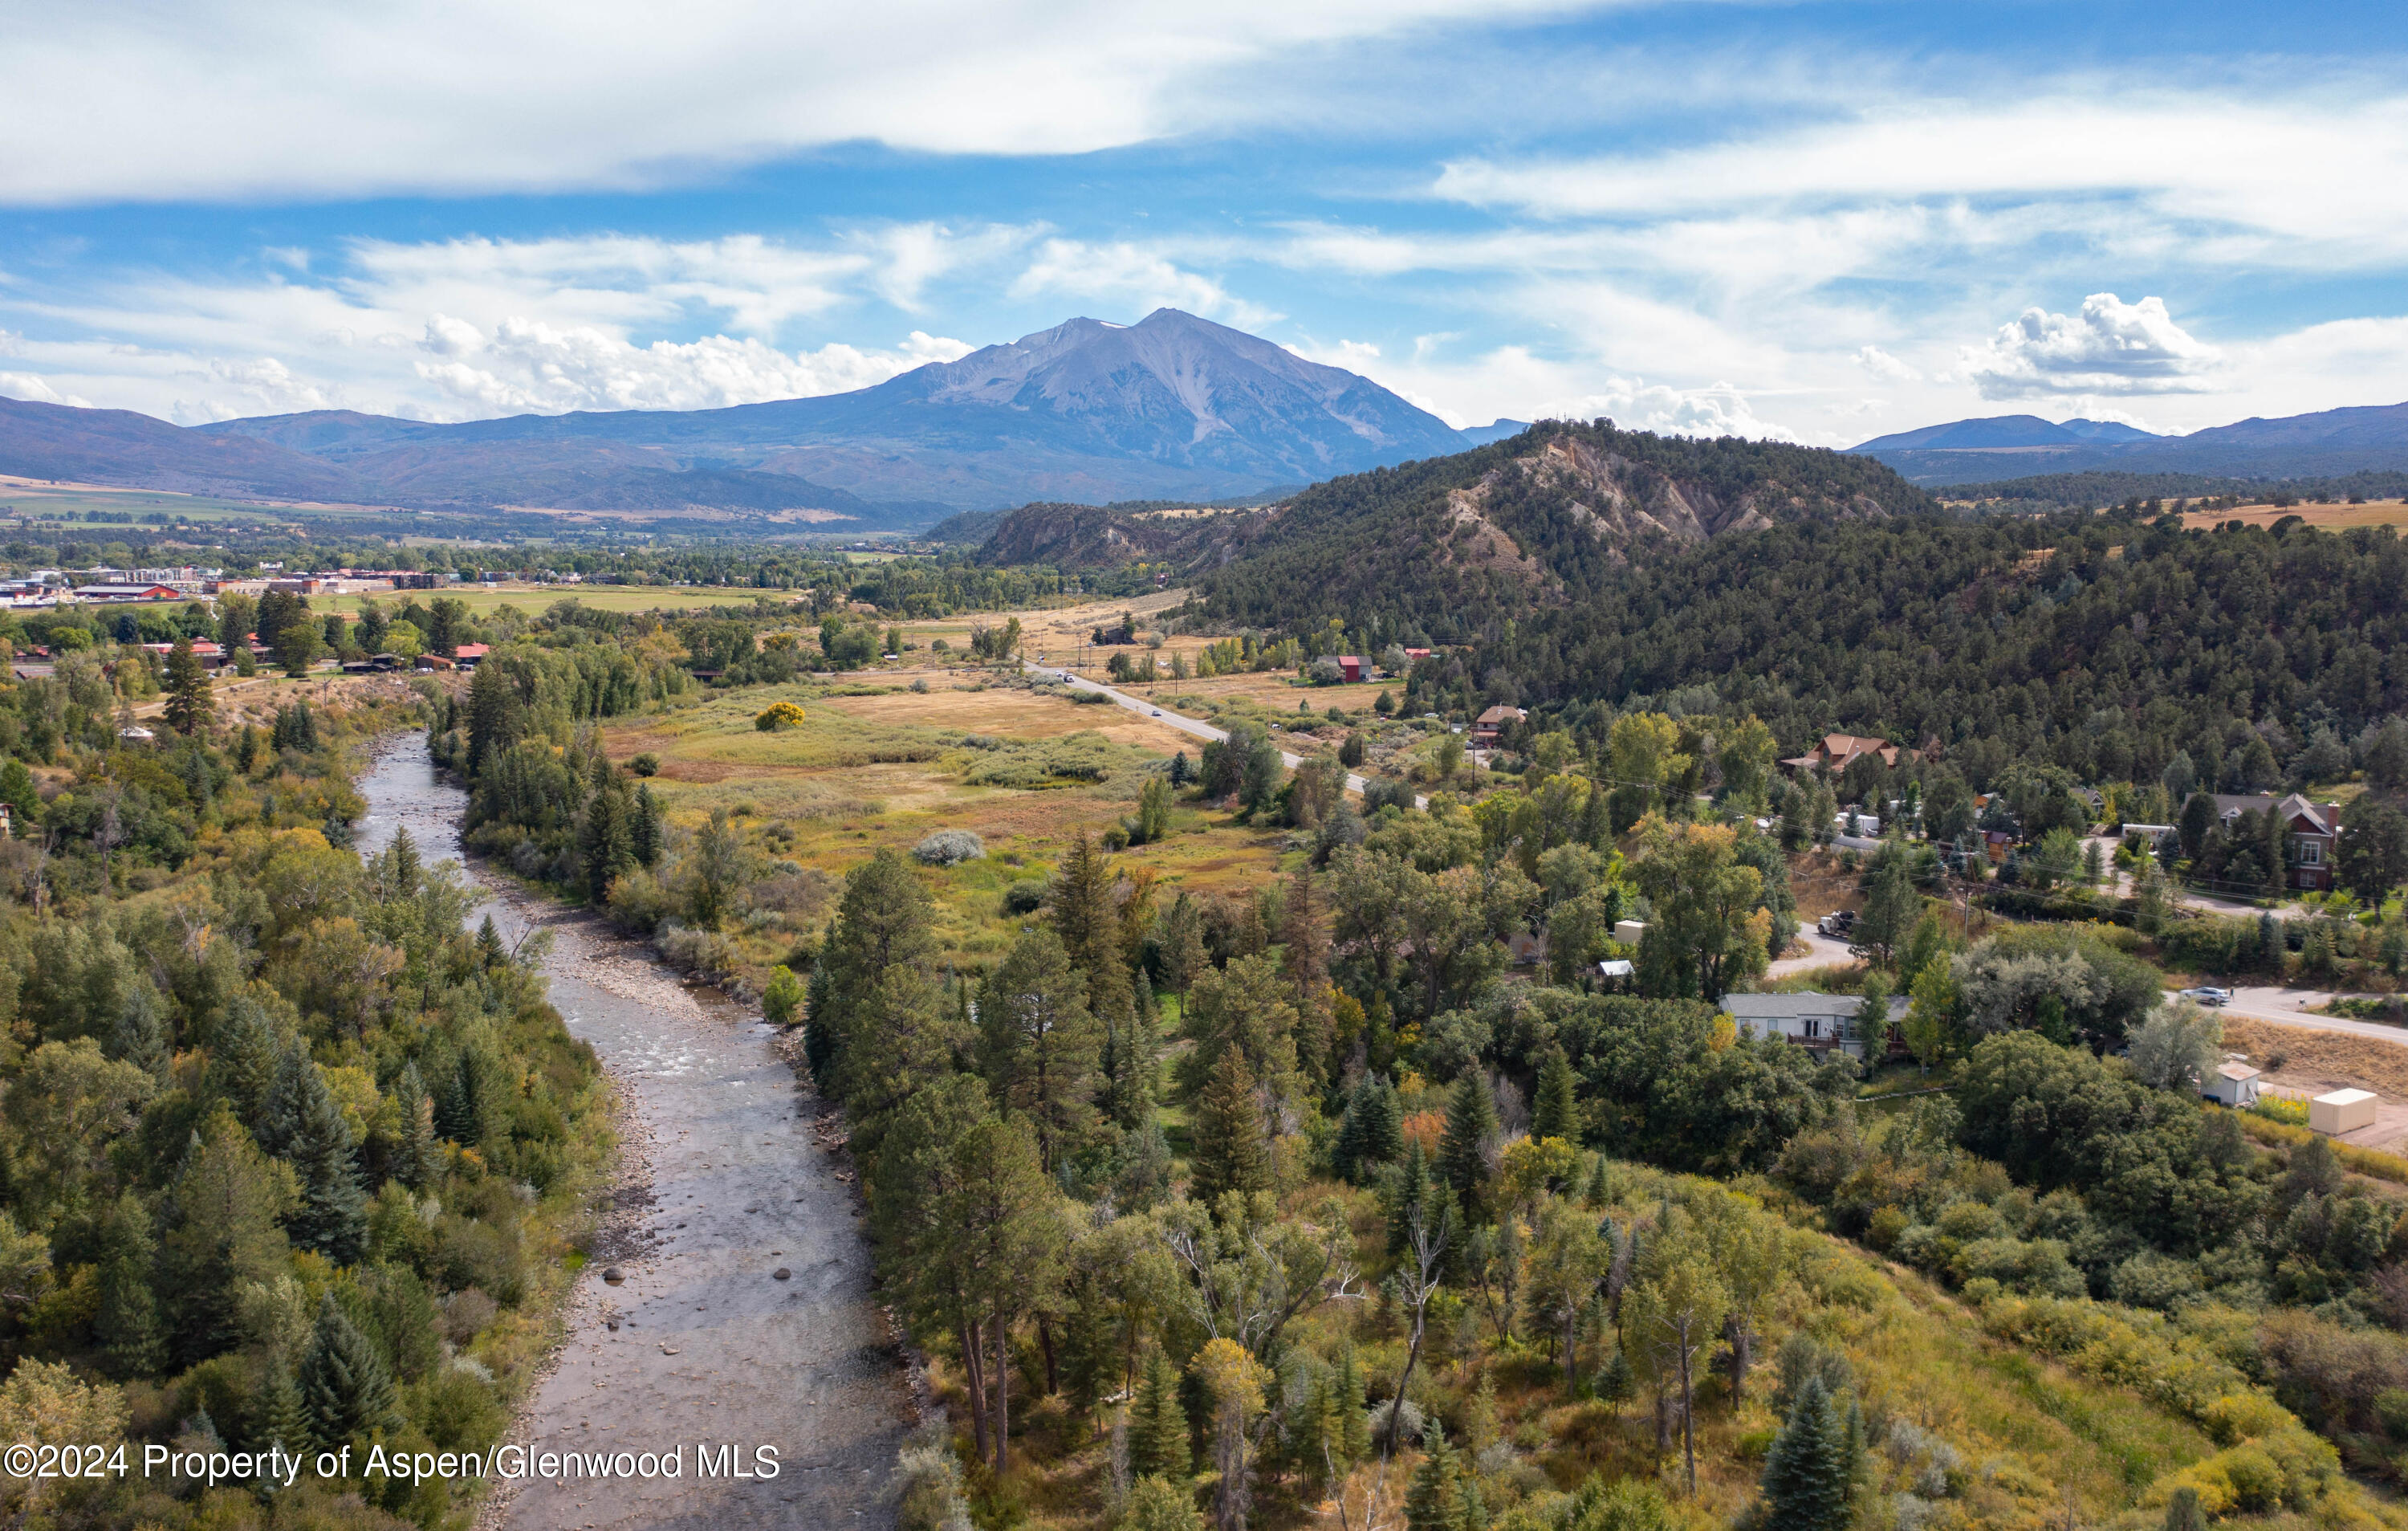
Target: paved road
x,y
1194,726
1821,951
2289,1007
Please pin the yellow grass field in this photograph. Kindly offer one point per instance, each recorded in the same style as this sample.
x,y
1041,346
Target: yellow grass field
x,y
888,768
2379,513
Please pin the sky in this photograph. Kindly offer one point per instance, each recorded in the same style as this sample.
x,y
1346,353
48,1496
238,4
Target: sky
x,y
1814,222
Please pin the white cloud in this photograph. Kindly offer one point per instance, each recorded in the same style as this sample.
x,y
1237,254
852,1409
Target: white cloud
x,y
25,385
1132,277
1883,366
461,329
2110,347
531,368
240,98
2319,176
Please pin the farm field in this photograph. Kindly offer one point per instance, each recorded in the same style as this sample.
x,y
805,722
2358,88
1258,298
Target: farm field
x,y
872,768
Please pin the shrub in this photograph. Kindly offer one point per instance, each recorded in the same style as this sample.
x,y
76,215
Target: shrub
x,y
949,847
646,764
1025,897
777,715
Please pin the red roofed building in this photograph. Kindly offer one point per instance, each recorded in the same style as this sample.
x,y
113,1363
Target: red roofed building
x,y
467,655
1835,751
1351,666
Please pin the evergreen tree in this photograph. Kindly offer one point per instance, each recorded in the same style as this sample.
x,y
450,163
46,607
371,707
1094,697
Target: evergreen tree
x,y
1807,1475
1435,1501
1556,1111
218,1232
345,1390
648,834
245,750
1472,1132
282,1419
131,1339
416,1159
333,1217
1891,908
1616,1382
605,837
1038,1046
1354,1420
490,951
140,1037
496,717
1229,1153
1158,1439
2183,1513
190,708
884,919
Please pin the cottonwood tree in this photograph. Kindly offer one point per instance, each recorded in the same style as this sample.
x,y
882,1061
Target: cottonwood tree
x,y
1708,928
1673,1312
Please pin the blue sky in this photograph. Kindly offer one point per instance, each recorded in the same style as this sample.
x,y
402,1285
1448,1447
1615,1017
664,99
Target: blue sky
x,y
1818,221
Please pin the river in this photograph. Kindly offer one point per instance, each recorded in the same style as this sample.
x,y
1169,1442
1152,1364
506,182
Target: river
x,y
722,1186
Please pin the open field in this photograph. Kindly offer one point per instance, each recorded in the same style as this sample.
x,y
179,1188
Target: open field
x,y
887,768
484,600
2379,513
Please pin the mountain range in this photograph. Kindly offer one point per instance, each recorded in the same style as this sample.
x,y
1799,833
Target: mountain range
x,y
2328,442
1172,408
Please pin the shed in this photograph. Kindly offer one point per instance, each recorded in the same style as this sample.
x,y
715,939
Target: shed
x,y
1619,967
1627,931
2234,1084
2342,1111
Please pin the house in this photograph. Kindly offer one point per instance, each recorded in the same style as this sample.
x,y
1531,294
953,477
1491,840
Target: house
x,y
467,655
1818,1022
1835,752
1351,666
2310,833
207,652
1412,654
116,594
434,661
2234,1084
1491,725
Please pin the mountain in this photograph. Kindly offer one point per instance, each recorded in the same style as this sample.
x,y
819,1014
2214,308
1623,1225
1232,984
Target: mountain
x,y
2326,443
1171,408
121,447
1447,545
1482,435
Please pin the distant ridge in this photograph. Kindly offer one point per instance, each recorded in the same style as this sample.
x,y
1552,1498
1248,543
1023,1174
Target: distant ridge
x,y
1173,408
2328,443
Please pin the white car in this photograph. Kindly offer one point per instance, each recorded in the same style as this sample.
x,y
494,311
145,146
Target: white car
x,y
1157,712
2209,996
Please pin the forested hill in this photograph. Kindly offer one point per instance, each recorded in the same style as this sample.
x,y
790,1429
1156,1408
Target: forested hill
x,y
2102,644
1455,549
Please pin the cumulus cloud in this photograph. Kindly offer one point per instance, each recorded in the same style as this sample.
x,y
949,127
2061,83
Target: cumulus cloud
x,y
1133,278
531,368
2110,347
25,385
1883,366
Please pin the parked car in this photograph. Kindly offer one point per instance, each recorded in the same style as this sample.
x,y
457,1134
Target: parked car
x,y
1157,712
1838,923
2209,996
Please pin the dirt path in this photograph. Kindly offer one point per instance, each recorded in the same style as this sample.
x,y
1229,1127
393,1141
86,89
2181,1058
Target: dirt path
x,y
703,1346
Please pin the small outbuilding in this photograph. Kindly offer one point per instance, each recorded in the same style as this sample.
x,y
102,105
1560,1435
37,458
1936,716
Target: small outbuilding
x,y
2234,1084
2342,1111
1627,931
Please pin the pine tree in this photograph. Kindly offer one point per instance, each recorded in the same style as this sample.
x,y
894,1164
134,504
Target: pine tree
x,y
1807,1473
416,1158
1038,1046
333,1218
1384,1124
1616,1383
189,708
648,833
1434,1502
1411,1191
1556,1111
245,750
1471,1132
139,1037
1346,1396
490,952
605,839
1228,1154
131,1338
345,1390
282,1419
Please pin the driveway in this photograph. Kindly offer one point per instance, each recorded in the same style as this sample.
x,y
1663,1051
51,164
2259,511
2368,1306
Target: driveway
x,y
2291,1007
1194,726
1821,951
